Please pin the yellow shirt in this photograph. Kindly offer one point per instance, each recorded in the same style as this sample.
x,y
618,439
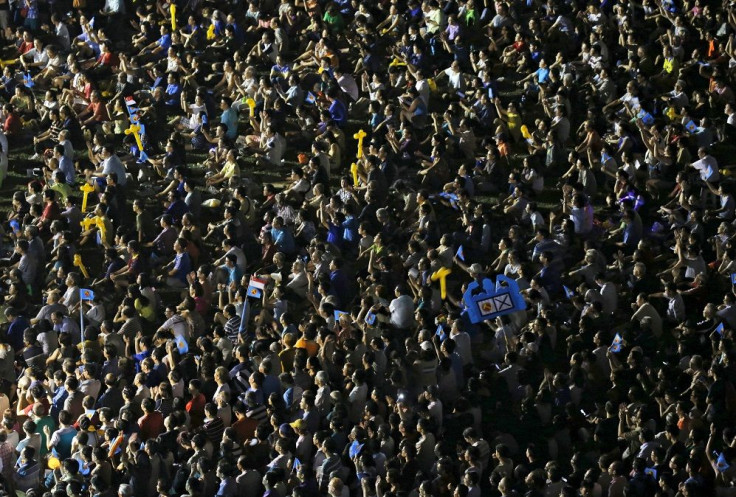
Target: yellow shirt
x,y
230,169
63,190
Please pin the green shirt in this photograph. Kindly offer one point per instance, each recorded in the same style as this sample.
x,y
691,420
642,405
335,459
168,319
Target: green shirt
x,y
335,22
40,423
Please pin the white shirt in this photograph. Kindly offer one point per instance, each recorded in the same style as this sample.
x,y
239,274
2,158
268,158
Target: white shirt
x,y
464,348
38,56
402,312
455,78
348,85
708,168
423,89
62,36
114,7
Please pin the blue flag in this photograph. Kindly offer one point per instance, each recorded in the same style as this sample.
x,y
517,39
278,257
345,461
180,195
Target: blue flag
x,y
460,253
691,126
645,117
719,329
181,345
338,314
616,345
370,318
733,278
721,464
651,471
355,449
568,293
297,464
441,333
310,98
15,226
86,294
254,292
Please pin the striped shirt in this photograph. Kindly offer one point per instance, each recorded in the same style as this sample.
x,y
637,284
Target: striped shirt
x,y
258,413
232,328
213,428
328,467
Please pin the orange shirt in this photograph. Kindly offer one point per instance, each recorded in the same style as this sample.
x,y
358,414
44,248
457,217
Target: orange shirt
x,y
309,345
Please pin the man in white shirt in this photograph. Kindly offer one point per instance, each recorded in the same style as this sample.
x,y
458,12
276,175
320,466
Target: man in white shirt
x,y
62,33
35,57
454,76
347,84
707,166
608,293
111,163
730,114
644,310
422,86
462,340
402,310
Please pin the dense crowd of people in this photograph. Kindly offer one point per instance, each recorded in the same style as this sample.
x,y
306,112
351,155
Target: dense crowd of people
x,y
245,258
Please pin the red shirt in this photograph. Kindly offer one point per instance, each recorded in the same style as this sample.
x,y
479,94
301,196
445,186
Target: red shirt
x,y
25,47
12,125
108,59
99,111
151,425
245,429
195,408
51,212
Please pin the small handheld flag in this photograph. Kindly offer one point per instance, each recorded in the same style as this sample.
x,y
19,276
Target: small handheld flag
x,y
16,227
441,333
297,464
645,117
651,471
721,463
460,253
310,98
256,287
370,319
338,314
691,126
733,278
181,345
616,345
719,329
86,294
28,80
568,293
355,448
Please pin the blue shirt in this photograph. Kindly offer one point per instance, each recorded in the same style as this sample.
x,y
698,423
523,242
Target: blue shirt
x,y
234,274
164,42
338,112
350,230
230,119
173,92
183,266
177,209
271,384
340,287
66,166
57,402
238,34
283,240
15,332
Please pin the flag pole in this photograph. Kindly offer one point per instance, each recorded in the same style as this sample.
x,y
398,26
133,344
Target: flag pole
x,y
243,322
81,318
